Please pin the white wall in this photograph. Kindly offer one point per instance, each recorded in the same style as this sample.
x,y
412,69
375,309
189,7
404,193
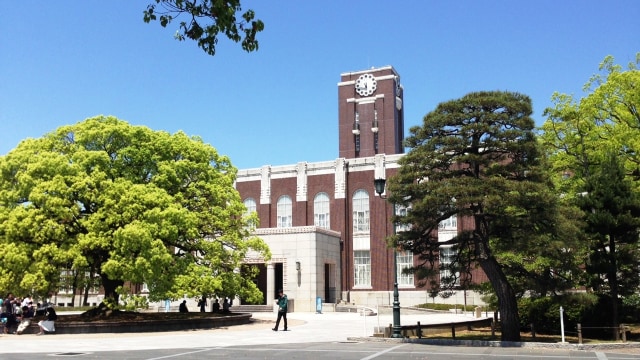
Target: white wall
x,y
313,247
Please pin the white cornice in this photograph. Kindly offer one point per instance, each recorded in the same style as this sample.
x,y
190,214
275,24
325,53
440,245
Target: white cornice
x,y
324,167
366,100
370,71
296,230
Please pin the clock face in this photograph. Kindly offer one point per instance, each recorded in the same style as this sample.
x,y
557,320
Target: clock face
x,y
366,85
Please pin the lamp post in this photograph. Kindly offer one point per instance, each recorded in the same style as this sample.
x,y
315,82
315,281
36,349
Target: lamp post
x,y
397,329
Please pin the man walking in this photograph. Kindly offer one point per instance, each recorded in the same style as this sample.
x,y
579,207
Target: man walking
x,y
282,310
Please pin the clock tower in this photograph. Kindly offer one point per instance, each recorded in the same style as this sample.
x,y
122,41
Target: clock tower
x,y
371,116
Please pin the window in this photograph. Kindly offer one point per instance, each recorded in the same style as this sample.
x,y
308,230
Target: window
x,y
81,279
360,211
284,212
402,211
447,277
362,267
66,281
250,204
404,260
321,210
449,224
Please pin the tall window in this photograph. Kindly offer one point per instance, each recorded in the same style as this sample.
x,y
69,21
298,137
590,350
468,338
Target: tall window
x,y
362,267
360,211
447,276
402,211
284,212
321,210
250,204
404,260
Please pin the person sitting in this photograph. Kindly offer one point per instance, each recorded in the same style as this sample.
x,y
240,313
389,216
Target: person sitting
x,y
25,319
215,307
183,307
48,325
226,305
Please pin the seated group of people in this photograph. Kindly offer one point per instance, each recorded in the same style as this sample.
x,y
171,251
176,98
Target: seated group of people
x,y
202,303
17,313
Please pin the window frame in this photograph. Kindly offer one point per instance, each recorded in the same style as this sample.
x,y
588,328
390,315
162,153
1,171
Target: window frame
x,y
322,210
284,212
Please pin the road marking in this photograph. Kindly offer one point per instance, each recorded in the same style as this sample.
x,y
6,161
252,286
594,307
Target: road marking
x,y
382,352
185,353
601,356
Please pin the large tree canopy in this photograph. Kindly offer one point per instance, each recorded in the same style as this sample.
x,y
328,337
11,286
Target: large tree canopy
x,y
128,203
476,158
580,134
221,14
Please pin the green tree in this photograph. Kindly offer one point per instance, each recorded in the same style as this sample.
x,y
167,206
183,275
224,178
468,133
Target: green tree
x,y
134,205
224,18
477,158
580,134
612,215
580,138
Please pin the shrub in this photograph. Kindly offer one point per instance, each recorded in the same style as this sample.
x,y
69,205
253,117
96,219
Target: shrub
x,y
544,312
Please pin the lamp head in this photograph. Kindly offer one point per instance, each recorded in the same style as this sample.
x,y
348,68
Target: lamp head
x,y
379,185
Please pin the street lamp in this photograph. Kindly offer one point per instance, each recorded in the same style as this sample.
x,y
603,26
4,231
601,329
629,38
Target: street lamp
x,y
397,329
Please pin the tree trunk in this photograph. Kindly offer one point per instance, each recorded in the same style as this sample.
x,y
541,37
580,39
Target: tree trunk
x,y
509,319
110,287
74,287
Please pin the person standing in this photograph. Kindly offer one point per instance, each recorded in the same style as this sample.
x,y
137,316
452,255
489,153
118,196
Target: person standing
x,y
9,311
202,304
282,310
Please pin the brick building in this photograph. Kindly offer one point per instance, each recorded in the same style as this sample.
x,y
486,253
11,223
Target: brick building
x,y
324,222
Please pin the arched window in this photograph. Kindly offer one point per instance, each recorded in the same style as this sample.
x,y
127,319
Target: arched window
x,y
360,211
321,210
284,212
250,204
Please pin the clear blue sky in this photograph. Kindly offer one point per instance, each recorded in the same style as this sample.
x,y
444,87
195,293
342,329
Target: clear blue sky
x,y
64,61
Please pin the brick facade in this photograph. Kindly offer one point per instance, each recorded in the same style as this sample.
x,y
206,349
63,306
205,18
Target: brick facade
x,y
370,152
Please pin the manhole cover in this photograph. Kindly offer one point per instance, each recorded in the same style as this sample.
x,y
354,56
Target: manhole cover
x,y
68,354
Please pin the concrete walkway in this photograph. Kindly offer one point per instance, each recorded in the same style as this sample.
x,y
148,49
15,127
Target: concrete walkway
x,y
304,328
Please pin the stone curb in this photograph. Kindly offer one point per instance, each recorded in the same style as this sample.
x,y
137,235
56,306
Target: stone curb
x,y
483,343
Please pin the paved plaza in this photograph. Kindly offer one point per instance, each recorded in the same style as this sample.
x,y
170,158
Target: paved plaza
x,y
303,328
